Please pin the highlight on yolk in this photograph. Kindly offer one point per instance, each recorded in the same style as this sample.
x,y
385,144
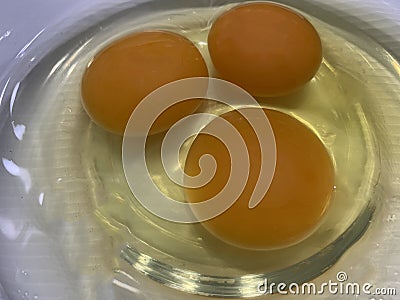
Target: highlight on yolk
x,y
297,199
265,48
126,71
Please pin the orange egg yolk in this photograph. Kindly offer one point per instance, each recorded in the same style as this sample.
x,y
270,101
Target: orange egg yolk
x,y
297,199
126,71
265,48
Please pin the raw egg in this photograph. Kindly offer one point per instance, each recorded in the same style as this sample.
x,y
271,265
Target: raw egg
x,y
265,48
297,199
127,70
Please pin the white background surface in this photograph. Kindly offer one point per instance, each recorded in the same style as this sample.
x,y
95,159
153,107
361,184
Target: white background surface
x,y
20,21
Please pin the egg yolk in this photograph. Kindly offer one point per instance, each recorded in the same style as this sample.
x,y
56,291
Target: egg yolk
x,y
297,199
265,48
122,74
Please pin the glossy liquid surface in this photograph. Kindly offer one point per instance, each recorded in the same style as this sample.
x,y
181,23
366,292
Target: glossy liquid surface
x,y
85,161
